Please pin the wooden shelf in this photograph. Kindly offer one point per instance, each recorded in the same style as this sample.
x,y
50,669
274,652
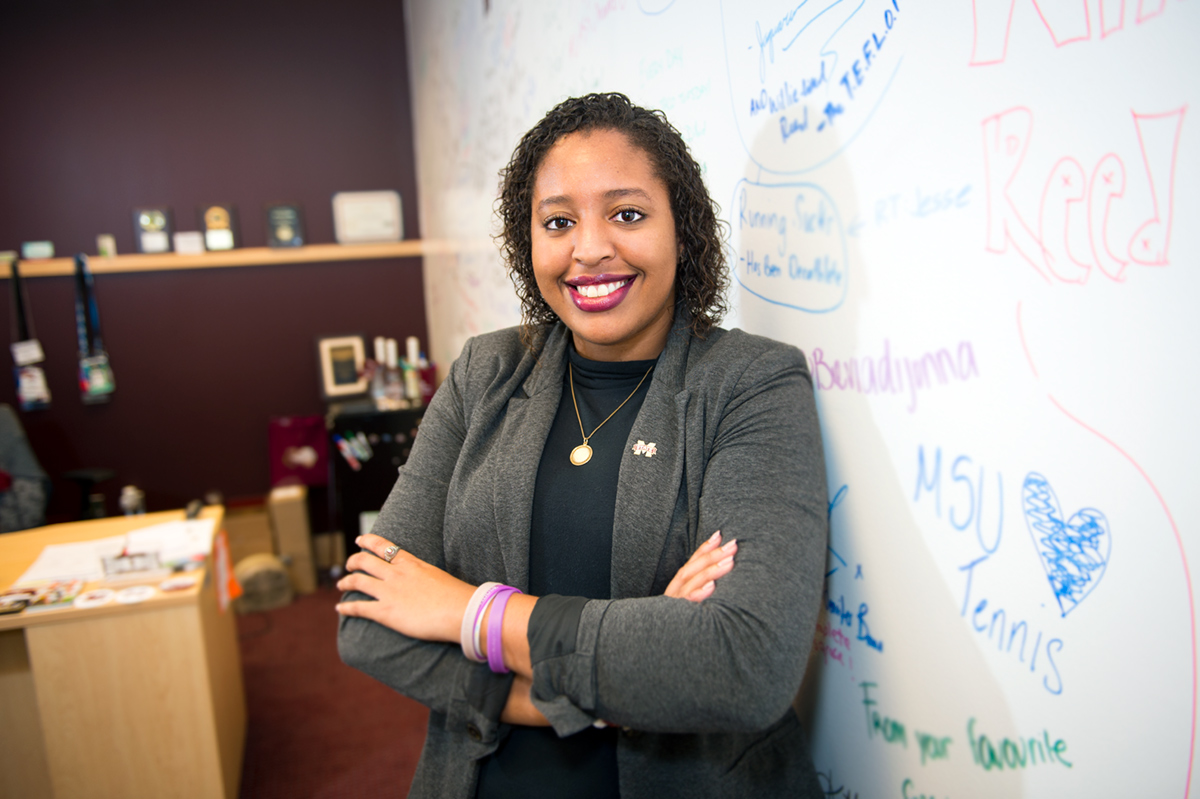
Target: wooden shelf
x,y
249,256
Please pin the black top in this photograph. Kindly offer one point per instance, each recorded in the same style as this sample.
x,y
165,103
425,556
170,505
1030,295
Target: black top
x,y
570,554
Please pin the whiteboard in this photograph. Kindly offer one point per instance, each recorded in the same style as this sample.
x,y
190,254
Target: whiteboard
x,y
972,217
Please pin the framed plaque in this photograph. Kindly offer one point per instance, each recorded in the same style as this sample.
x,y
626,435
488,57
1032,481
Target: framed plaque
x,y
342,359
362,217
285,225
188,242
219,223
152,229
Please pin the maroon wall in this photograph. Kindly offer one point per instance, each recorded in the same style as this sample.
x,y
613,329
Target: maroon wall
x,y
111,105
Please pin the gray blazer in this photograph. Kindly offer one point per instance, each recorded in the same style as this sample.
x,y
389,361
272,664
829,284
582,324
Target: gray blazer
x,y
702,691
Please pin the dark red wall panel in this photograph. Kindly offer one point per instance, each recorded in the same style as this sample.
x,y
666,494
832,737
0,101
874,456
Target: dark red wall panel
x,y
111,105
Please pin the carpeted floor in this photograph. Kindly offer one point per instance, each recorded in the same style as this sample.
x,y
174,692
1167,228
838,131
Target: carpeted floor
x,y
318,728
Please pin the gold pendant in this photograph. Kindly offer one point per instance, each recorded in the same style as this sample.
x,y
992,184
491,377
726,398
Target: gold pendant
x,y
581,455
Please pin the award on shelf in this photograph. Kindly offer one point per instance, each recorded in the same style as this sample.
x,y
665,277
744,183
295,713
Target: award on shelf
x,y
106,245
220,227
31,250
189,242
361,217
285,226
152,229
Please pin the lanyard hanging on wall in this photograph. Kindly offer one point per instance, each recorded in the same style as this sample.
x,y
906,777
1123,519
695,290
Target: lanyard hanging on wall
x,y
32,391
95,375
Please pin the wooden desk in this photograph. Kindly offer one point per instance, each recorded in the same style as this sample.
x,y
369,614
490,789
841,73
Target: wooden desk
x,y
122,700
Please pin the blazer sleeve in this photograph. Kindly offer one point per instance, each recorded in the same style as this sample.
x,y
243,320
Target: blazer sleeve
x,y
735,661
437,675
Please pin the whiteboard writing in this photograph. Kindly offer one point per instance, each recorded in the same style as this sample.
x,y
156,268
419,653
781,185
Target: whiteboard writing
x,y
814,73
1081,213
1067,23
894,374
791,246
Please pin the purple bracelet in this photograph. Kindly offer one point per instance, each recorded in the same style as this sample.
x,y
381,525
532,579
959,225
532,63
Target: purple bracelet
x,y
483,606
496,630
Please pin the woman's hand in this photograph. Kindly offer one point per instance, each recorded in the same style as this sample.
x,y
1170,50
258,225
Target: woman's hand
x,y
519,708
412,596
697,578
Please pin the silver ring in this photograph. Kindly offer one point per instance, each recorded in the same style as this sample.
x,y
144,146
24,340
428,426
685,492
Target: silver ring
x,y
390,553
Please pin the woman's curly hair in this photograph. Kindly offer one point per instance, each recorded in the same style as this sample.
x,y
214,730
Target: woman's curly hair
x,y
701,278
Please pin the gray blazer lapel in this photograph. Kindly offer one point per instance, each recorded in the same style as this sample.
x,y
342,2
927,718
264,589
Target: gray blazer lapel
x,y
522,438
649,486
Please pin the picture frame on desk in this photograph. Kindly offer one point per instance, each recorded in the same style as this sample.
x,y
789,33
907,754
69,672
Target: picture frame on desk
x,y
341,360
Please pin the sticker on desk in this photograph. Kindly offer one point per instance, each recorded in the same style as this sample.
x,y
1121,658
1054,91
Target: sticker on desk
x,y
55,594
15,600
95,598
177,584
135,594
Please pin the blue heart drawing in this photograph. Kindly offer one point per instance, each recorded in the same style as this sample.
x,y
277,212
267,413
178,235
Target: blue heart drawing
x,y
1074,552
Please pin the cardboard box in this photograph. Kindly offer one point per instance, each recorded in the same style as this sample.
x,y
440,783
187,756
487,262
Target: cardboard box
x,y
288,508
249,531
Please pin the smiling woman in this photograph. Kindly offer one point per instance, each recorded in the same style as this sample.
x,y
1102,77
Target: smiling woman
x,y
623,609
700,278
604,246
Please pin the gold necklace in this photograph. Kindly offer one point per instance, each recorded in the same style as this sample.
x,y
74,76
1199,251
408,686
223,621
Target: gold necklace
x,y
583,453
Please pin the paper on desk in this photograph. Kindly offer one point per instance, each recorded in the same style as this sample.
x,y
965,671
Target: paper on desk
x,y
67,561
176,542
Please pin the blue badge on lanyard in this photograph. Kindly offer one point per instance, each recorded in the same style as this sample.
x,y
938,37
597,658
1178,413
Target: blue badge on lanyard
x,y
95,375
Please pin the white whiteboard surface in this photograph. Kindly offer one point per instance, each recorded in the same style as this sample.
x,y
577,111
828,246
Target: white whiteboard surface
x,y
977,219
